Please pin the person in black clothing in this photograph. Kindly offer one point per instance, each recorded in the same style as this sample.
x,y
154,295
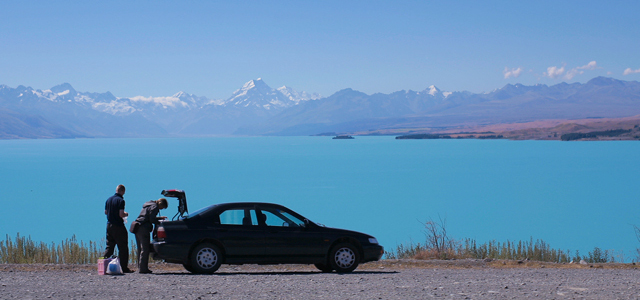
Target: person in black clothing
x,y
147,218
117,233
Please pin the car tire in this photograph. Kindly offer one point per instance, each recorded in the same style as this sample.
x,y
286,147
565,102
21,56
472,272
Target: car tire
x,y
324,268
205,259
188,268
344,258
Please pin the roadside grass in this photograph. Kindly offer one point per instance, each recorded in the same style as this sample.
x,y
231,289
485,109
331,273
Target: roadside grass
x,y
521,250
23,250
438,245
518,251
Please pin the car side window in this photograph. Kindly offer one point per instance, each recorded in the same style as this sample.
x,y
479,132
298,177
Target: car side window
x,y
245,217
280,219
232,217
254,217
293,219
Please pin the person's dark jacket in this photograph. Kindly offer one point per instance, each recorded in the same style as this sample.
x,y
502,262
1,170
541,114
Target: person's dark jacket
x,y
148,216
113,206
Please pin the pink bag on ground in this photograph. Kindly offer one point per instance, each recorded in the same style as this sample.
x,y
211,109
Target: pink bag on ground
x,y
102,265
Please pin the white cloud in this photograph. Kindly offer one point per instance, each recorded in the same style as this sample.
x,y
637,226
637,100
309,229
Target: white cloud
x,y
554,72
580,70
511,73
590,66
629,71
114,107
164,101
572,73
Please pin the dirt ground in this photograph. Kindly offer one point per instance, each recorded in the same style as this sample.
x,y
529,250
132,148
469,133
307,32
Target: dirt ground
x,y
388,279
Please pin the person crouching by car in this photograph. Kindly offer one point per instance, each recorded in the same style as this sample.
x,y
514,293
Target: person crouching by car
x,y
147,218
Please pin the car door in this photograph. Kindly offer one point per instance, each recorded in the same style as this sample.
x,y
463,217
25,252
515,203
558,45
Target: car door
x,y
240,234
286,238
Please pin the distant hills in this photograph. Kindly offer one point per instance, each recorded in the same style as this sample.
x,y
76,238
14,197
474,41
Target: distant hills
x,y
257,109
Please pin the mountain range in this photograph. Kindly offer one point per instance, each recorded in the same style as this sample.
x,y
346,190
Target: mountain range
x,y
257,109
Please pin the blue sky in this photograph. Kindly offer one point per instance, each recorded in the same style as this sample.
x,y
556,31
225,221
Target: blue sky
x,y
211,48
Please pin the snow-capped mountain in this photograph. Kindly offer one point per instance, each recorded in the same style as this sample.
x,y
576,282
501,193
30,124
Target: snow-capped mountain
x,y
257,109
353,111
296,96
436,92
179,101
181,113
63,112
257,94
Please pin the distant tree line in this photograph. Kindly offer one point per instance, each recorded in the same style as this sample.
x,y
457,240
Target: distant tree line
x,y
577,135
423,136
434,136
493,136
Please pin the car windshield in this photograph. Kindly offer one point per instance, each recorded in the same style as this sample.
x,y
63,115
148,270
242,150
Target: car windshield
x,y
293,218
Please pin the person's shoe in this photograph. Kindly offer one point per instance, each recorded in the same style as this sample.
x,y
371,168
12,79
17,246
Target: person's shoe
x,y
127,271
145,272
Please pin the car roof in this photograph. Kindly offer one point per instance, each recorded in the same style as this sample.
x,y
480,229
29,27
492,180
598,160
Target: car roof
x,y
233,204
229,205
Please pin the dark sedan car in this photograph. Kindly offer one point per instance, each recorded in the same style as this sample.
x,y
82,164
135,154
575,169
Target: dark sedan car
x,y
259,233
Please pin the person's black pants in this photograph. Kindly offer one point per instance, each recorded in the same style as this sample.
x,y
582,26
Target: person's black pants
x,y
143,236
118,235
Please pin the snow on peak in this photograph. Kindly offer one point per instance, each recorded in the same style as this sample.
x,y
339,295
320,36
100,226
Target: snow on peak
x,y
436,92
249,85
179,100
62,92
256,93
165,102
296,96
114,107
433,90
46,94
61,88
181,94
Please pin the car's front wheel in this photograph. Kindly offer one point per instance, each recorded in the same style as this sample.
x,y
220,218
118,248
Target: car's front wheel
x,y
344,258
205,259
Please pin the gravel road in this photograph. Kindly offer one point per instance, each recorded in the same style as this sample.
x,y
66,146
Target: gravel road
x,y
381,280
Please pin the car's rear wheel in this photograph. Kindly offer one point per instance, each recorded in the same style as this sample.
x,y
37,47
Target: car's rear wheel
x,y
188,268
344,258
205,259
324,268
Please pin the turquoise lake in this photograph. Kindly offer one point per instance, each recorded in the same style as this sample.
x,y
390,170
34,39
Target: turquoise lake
x,y
572,195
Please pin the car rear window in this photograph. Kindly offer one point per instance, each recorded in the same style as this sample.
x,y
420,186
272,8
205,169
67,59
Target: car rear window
x,y
200,211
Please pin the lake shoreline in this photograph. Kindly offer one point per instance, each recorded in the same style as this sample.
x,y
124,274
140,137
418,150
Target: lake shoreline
x,y
589,129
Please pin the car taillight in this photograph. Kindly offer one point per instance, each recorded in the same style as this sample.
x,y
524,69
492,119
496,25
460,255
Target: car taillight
x,y
161,233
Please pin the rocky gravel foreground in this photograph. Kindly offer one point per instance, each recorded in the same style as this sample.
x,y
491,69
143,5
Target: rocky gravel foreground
x,y
381,280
